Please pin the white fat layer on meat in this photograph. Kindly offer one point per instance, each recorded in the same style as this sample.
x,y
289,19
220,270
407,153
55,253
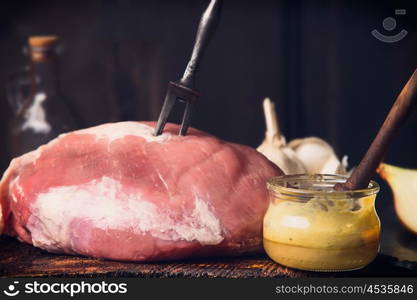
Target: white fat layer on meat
x,y
111,131
114,131
14,168
105,204
15,187
35,116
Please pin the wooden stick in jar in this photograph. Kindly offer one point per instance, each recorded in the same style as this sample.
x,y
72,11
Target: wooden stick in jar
x,y
398,114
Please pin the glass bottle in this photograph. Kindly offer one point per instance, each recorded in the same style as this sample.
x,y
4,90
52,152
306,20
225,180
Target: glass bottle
x,y
41,111
310,226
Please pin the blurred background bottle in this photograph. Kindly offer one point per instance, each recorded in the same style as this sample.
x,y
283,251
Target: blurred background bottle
x,y
41,111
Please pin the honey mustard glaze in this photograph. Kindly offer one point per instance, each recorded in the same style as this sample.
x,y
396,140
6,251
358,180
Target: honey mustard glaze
x,y
310,226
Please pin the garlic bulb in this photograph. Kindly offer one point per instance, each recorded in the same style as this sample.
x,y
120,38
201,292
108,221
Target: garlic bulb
x,y
274,146
318,156
308,155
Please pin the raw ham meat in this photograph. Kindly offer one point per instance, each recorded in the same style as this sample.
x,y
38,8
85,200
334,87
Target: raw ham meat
x,y
116,191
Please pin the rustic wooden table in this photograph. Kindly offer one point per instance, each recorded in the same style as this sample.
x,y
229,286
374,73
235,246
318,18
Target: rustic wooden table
x,y
22,260
397,258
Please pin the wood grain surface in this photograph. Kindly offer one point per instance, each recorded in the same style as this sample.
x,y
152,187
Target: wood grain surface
x,y
23,260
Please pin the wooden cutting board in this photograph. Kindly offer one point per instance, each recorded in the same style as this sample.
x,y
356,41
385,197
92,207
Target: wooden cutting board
x,y
22,260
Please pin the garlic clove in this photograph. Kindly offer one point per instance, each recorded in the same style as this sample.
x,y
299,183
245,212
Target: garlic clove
x,y
274,146
308,155
283,157
294,165
333,166
317,156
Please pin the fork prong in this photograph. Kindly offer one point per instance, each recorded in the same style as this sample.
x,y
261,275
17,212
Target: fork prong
x,y
186,118
169,102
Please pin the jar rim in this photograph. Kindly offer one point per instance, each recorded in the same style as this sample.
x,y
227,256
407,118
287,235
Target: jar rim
x,y
279,184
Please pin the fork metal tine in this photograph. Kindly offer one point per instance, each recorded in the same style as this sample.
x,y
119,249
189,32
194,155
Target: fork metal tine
x,y
186,118
169,103
177,92
183,90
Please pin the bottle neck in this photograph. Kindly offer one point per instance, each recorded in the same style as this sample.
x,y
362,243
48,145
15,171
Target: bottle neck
x,y
45,76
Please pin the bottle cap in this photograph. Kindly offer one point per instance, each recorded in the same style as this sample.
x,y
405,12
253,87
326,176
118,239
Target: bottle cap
x,y
46,41
43,48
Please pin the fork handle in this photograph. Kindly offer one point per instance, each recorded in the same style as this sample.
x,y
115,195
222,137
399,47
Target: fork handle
x,y
208,23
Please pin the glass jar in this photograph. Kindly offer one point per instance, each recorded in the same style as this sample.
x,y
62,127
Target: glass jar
x,y
310,226
40,110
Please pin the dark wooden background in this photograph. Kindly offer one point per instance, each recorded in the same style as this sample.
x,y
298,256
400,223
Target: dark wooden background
x,y
317,59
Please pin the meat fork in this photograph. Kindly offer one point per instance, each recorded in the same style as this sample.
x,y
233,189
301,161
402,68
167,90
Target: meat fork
x,y
183,89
